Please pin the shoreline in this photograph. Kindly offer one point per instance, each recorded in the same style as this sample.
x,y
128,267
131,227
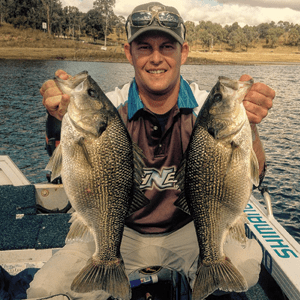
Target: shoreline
x,y
112,55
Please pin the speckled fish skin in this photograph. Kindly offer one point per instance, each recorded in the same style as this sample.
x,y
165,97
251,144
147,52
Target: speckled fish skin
x,y
217,177
98,177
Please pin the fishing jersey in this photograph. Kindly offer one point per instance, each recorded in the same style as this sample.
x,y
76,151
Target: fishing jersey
x,y
163,150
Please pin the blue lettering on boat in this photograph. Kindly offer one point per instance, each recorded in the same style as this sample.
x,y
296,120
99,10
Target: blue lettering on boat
x,y
275,241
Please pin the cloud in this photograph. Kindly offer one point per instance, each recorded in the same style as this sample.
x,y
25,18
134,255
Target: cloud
x,y
292,4
224,12
83,5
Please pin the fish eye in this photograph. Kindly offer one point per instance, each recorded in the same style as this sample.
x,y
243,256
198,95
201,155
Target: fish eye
x,y
218,97
92,93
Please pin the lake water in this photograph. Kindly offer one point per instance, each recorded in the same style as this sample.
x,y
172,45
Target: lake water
x,y
22,119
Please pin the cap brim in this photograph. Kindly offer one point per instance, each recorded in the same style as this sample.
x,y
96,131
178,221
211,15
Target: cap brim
x,y
156,28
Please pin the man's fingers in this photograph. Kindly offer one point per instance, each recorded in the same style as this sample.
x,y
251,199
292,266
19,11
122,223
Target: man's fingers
x,y
255,112
57,105
47,85
245,77
62,74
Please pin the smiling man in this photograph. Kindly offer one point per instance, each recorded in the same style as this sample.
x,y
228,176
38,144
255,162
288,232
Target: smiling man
x,y
159,109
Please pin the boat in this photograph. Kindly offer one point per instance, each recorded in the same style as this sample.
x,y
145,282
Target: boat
x,y
34,223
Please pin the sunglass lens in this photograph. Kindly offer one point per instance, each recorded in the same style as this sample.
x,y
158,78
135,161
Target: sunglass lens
x,y
169,19
141,19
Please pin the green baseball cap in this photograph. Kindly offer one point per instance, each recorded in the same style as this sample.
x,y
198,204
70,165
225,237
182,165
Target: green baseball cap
x,y
154,16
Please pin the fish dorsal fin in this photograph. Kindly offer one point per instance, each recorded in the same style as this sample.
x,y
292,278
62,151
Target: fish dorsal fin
x,y
79,231
180,177
139,199
55,163
254,168
182,203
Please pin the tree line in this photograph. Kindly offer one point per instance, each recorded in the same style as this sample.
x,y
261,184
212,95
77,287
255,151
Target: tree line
x,y
210,34
100,21
68,21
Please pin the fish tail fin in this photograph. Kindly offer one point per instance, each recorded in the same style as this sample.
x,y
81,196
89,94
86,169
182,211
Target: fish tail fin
x,y
222,275
107,276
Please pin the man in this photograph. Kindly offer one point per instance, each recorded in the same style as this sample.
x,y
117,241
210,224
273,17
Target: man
x,y
158,109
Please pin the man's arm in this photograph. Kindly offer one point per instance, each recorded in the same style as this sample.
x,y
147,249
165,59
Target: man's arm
x,y
257,103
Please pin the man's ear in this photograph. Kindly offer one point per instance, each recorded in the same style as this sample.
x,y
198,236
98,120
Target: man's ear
x,y
127,51
184,52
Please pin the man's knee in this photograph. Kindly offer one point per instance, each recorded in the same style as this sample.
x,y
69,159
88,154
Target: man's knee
x,y
247,258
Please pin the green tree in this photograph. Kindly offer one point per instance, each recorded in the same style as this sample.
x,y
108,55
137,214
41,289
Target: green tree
x,y
293,37
251,35
273,36
263,29
120,26
191,36
92,25
107,17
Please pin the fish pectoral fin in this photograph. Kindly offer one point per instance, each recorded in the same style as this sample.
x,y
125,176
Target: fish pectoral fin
x,y
79,231
108,276
222,275
55,163
85,152
182,203
254,169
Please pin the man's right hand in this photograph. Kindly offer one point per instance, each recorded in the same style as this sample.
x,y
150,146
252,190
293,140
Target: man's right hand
x,y
54,100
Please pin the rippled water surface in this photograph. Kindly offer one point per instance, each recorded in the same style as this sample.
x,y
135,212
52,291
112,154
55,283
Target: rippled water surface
x,y
22,119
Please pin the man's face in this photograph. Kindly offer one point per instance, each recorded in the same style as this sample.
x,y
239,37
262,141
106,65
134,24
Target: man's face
x,y
156,58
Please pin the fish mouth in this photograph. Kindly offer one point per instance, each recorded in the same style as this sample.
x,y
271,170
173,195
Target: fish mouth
x,y
67,85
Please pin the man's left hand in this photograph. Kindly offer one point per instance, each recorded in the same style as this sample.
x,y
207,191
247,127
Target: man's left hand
x,y
258,100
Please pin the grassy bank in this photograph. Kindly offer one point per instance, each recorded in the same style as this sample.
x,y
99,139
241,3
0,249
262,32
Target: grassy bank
x,y
33,44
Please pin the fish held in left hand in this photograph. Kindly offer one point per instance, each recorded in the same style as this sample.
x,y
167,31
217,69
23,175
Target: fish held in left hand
x,y
216,179
101,169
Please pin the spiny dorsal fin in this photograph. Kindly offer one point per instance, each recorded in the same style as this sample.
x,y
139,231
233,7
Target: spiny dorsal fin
x,y
182,203
139,199
180,178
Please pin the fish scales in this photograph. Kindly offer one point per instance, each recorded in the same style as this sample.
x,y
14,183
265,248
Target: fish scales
x,y
101,169
216,178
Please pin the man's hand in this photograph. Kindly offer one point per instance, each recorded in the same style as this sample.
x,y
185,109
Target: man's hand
x,y
258,101
54,100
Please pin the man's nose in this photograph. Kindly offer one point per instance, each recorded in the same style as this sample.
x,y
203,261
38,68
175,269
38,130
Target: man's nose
x,y
156,56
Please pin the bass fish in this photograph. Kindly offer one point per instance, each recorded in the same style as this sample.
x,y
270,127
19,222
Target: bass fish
x,y
101,169
216,178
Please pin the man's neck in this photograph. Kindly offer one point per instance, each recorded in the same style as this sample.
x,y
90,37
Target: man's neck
x,y
160,103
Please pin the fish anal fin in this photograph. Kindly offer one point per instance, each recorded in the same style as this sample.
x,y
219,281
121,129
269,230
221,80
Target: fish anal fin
x,y
222,275
109,276
237,229
79,231
55,163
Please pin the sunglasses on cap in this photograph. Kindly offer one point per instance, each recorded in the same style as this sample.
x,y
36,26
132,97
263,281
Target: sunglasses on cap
x,y
164,18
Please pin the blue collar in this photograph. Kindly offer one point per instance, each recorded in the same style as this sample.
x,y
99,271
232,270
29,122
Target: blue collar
x,y
186,98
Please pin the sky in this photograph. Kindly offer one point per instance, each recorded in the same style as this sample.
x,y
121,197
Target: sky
x,y
224,12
